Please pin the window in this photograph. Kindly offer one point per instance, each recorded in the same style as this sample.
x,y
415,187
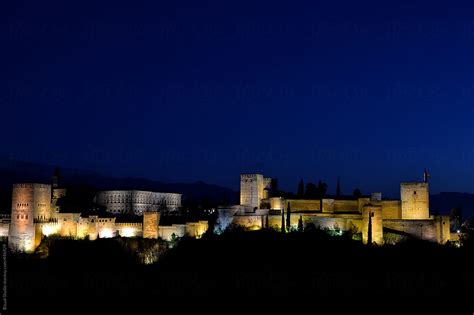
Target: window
x,y
414,192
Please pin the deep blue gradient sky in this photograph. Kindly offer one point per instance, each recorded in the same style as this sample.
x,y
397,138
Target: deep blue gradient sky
x,y
372,92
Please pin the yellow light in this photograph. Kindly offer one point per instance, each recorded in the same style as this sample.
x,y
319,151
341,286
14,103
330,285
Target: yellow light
x,y
106,233
128,232
49,229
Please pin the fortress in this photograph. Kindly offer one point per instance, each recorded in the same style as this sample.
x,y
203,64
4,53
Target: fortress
x,y
379,221
36,213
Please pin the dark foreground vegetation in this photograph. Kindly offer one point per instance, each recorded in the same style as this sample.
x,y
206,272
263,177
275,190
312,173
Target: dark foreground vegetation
x,y
238,264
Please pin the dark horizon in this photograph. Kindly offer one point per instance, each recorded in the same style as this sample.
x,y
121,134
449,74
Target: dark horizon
x,y
372,93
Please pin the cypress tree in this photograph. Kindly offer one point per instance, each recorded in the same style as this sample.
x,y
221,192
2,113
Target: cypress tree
x,y
369,230
300,224
283,220
300,192
288,217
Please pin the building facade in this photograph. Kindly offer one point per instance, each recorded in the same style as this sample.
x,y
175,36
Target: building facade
x,y
137,202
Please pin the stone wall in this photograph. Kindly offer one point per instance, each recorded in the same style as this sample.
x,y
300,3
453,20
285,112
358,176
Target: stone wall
x,y
391,209
196,229
277,203
328,205
167,232
252,222
346,205
323,221
434,230
129,229
303,204
68,224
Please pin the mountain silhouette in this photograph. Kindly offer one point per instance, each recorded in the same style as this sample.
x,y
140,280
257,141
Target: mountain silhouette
x,y
12,171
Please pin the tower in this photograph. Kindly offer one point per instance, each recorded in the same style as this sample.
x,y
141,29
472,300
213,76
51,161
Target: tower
x,y
151,221
31,204
415,201
251,189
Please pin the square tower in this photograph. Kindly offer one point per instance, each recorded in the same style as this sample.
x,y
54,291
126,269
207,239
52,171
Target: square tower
x,y
251,190
415,201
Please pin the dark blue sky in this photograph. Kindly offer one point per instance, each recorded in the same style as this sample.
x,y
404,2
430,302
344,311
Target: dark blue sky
x,y
372,92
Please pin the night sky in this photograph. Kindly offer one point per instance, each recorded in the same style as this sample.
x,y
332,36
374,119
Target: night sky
x,y
204,90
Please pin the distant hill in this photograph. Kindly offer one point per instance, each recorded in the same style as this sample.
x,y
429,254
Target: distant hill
x,y
445,201
17,171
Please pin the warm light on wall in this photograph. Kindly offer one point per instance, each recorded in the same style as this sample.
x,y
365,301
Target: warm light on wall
x,y
128,232
49,229
106,233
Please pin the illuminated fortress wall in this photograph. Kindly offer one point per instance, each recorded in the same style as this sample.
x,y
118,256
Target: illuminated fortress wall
x,y
408,216
190,229
30,203
129,229
435,230
323,221
137,202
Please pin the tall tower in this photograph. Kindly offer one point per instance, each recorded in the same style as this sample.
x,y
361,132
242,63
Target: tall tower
x,y
251,189
415,201
31,203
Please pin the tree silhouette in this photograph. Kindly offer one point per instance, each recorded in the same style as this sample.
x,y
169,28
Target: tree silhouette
x,y
300,224
300,192
322,189
288,217
357,193
282,220
369,230
311,191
